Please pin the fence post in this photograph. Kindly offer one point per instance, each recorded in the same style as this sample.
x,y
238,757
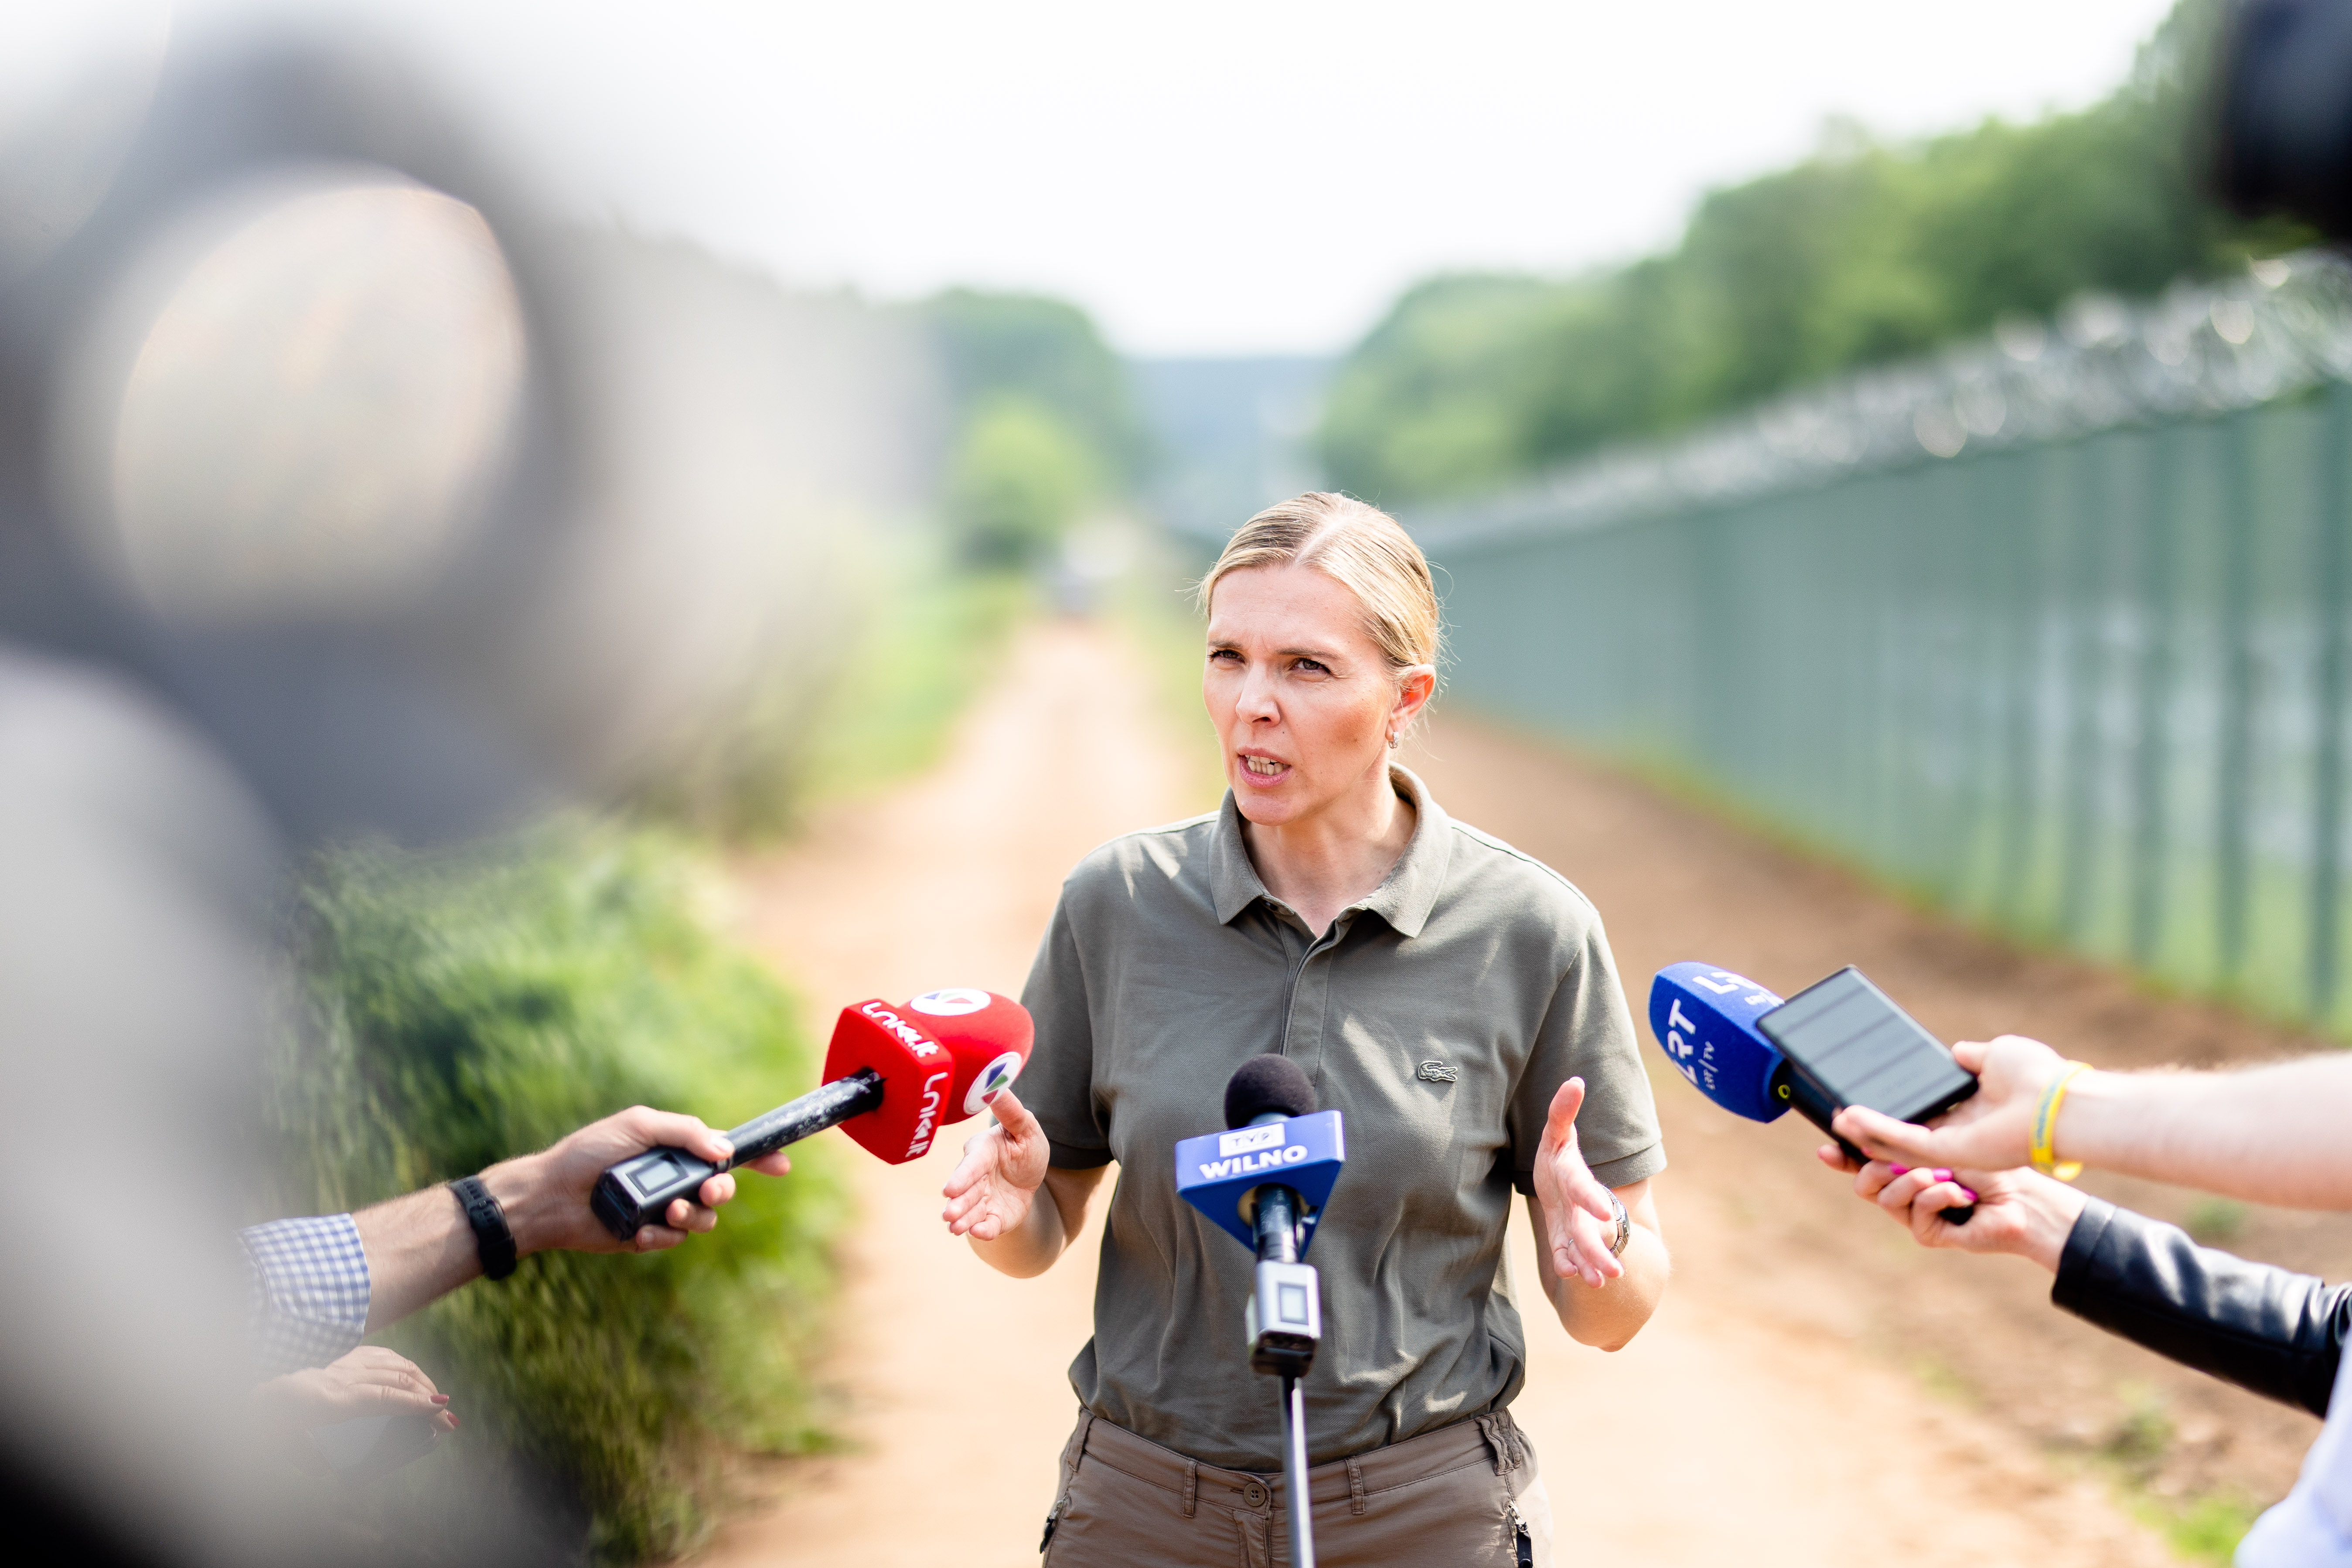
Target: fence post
x,y
2234,788
2327,768
2021,536
2087,534
2152,743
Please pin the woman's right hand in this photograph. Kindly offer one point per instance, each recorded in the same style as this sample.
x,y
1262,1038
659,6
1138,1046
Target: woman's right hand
x,y
990,1194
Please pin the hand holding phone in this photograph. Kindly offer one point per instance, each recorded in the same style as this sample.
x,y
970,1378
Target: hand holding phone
x,y
1851,1045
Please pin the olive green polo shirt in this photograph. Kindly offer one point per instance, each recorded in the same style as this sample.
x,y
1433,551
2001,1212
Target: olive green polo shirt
x,y
1438,1014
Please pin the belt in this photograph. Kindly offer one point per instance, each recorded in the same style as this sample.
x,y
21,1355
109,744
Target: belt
x,y
1493,1440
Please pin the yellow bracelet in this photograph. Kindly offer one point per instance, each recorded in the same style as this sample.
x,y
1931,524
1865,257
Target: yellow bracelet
x,y
2045,1153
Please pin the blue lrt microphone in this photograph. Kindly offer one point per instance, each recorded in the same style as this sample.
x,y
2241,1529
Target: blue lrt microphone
x,y
1710,1022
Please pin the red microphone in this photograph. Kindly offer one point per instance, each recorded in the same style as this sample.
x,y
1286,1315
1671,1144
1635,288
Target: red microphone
x,y
894,1074
939,1057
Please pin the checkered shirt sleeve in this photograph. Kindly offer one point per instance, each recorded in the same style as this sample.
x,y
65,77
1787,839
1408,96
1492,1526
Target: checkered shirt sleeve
x,y
309,1299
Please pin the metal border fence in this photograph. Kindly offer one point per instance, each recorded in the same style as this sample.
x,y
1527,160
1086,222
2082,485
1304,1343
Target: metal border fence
x,y
2050,630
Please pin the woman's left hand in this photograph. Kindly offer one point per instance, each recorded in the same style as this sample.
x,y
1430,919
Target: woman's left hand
x,y
1580,1220
990,1191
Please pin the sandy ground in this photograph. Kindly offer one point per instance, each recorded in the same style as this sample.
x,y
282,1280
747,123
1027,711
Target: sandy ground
x,y
1815,1388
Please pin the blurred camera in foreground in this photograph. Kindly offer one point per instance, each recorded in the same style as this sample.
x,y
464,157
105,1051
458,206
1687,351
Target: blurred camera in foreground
x,y
339,493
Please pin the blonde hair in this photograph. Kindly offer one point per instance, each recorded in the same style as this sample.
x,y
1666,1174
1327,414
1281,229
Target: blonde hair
x,y
1359,547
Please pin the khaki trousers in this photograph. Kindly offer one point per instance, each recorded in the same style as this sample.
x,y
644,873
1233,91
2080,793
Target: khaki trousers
x,y
1459,1495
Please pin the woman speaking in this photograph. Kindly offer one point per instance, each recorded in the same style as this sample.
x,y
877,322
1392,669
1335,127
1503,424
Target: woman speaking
x,y
1453,997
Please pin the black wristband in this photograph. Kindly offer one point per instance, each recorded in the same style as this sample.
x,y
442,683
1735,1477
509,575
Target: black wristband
x,y
493,1242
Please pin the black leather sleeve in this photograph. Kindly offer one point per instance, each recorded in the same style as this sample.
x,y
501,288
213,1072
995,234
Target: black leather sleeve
x,y
2262,1328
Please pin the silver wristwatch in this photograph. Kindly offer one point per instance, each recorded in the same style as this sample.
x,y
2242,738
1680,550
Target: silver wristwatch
x,y
1624,1226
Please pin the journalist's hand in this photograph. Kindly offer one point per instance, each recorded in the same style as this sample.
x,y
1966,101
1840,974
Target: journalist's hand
x,y
1992,1130
1579,1221
370,1381
545,1195
991,1190
2018,1212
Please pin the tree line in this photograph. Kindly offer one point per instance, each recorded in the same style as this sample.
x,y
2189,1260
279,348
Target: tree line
x,y
1866,251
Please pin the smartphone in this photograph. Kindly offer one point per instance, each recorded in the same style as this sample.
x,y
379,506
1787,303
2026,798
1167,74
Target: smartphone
x,y
1851,1045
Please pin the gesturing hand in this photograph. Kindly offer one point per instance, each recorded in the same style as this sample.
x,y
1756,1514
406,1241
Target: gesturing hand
x,y
370,1381
1580,1220
997,1180
1992,1130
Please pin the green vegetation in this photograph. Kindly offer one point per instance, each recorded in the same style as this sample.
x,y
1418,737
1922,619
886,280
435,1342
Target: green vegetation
x,y
1019,479
2202,1529
909,671
1046,352
458,1009
1865,252
1045,428
2215,1221
2199,1527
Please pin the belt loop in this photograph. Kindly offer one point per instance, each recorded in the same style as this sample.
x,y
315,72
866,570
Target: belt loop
x,y
1191,1485
1355,1486
1079,1448
1514,1446
1494,1443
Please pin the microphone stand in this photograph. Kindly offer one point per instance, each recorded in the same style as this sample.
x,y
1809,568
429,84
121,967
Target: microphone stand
x,y
1284,1321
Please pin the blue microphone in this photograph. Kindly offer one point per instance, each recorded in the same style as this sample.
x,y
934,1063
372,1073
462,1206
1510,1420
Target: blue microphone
x,y
1706,1018
1276,1139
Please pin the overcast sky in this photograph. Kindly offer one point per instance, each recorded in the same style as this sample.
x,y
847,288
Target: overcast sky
x,y
1214,176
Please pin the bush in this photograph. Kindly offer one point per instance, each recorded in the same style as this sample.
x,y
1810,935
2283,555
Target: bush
x,y
455,1010
1019,479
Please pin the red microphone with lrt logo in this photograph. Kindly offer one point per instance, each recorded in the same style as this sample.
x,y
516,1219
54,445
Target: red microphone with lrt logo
x,y
894,1074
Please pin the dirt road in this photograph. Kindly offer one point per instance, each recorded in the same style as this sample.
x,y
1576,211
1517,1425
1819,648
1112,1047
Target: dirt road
x,y
1815,1389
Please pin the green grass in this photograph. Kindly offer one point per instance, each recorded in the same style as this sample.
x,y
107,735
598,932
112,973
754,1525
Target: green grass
x,y
2203,1527
457,1009
916,661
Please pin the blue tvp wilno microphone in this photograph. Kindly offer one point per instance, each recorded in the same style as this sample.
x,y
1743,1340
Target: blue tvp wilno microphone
x,y
1276,1137
1704,1018
1265,1180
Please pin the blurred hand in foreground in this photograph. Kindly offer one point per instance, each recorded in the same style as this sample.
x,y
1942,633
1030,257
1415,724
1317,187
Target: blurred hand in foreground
x,y
370,1381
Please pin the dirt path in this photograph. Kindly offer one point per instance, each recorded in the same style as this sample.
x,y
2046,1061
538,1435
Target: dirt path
x,y
1777,1411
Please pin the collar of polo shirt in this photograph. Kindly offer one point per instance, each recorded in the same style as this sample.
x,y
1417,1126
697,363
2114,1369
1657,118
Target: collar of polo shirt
x,y
1405,895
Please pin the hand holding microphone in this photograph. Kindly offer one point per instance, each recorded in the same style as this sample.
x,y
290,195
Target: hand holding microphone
x,y
894,1074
